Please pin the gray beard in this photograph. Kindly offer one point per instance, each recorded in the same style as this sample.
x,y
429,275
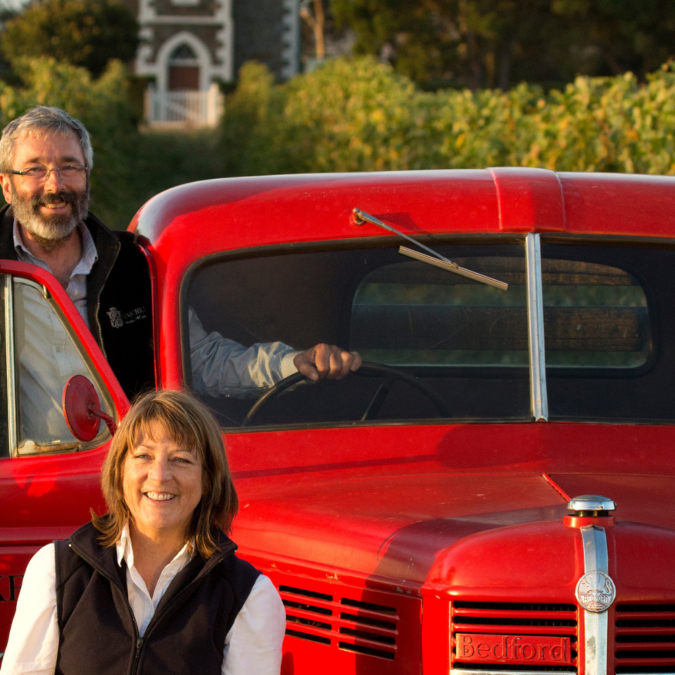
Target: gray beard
x,y
50,228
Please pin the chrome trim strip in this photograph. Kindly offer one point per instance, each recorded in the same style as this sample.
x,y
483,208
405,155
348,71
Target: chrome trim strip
x,y
459,671
596,624
535,323
12,436
595,549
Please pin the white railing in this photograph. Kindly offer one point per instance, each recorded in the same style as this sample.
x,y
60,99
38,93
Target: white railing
x,y
184,108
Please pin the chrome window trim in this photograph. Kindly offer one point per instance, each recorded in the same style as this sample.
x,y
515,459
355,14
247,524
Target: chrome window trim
x,y
596,624
535,324
12,437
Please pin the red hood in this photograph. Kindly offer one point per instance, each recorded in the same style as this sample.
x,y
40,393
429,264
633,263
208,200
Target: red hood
x,y
397,526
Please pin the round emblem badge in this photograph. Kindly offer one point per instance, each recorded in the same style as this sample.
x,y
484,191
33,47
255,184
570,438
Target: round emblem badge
x,y
596,591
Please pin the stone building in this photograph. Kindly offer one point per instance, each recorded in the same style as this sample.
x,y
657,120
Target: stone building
x,y
189,46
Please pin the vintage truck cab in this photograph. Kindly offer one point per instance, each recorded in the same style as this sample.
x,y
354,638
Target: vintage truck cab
x,y
491,492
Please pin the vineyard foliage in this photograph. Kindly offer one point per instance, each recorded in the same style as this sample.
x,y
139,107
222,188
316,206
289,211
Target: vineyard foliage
x,y
359,115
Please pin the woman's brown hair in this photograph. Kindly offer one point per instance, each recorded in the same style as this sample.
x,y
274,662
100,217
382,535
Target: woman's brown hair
x,y
190,424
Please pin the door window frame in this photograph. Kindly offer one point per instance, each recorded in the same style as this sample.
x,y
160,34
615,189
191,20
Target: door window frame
x,y
113,396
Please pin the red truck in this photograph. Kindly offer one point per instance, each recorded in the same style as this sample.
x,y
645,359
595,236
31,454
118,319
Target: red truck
x,y
492,492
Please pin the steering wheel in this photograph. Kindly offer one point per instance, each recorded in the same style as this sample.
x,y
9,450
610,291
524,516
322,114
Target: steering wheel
x,y
366,370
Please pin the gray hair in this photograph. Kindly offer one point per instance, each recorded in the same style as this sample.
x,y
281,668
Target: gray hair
x,y
48,121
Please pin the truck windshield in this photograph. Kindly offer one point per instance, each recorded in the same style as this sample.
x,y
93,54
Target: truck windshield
x,y
465,340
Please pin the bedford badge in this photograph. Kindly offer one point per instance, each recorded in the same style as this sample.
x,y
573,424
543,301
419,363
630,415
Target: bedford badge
x,y
596,591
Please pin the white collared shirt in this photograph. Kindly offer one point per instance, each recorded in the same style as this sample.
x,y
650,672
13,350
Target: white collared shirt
x,y
77,285
252,645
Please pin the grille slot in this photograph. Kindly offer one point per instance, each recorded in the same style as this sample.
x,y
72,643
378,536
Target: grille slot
x,y
372,627
529,620
307,614
644,638
357,626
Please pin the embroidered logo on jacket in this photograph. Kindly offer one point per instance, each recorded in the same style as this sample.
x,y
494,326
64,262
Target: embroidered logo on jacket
x,y
118,320
115,317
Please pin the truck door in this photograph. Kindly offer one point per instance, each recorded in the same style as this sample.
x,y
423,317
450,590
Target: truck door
x,y
49,480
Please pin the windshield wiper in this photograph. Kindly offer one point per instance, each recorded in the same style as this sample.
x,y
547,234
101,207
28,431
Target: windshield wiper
x,y
435,258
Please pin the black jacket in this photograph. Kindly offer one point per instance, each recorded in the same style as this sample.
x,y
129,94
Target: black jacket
x,y
97,629
119,301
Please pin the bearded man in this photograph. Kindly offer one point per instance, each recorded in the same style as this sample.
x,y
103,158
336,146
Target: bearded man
x,y
45,159
45,162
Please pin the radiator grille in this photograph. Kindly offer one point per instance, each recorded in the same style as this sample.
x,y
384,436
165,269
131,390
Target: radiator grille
x,y
513,618
354,625
644,639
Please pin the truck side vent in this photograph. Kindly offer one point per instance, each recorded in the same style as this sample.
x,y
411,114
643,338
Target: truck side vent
x,y
309,594
372,629
304,613
644,638
357,626
308,636
513,618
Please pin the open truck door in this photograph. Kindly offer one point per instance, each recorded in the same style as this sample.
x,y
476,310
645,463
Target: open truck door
x,y
49,479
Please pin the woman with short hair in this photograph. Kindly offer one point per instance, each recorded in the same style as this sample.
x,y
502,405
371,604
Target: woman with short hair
x,y
154,586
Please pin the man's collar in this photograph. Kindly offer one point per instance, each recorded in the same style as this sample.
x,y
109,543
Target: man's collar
x,y
89,252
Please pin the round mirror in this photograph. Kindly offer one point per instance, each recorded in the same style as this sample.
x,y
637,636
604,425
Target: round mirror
x,y
80,402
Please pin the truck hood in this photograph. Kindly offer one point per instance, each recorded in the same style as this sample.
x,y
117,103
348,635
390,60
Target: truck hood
x,y
396,528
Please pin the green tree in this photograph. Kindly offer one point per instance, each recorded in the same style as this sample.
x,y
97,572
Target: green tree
x,y
84,33
496,43
609,37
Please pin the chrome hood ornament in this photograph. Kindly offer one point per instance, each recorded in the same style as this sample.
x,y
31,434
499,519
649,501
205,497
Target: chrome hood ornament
x,y
591,505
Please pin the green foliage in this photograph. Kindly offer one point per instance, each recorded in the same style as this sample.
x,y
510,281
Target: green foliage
x,y
495,43
361,116
84,33
162,160
101,104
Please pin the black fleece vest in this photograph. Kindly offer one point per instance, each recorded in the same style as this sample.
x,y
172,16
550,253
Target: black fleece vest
x,y
119,301
97,629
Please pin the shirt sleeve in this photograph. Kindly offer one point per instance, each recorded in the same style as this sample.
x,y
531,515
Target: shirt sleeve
x,y
253,644
223,367
34,637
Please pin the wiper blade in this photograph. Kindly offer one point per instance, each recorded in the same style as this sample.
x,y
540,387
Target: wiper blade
x,y
435,258
453,267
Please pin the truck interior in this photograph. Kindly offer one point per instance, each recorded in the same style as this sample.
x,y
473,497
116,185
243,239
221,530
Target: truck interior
x,y
608,323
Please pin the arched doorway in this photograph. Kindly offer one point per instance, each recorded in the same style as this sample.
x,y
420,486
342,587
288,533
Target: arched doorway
x,y
183,66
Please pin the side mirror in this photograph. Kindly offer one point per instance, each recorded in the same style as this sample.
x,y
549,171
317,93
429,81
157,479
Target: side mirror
x,y
82,409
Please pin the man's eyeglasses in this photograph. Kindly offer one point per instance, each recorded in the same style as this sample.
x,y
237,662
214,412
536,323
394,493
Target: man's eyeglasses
x,y
41,173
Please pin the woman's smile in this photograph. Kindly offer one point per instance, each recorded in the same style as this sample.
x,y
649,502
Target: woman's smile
x,y
159,496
